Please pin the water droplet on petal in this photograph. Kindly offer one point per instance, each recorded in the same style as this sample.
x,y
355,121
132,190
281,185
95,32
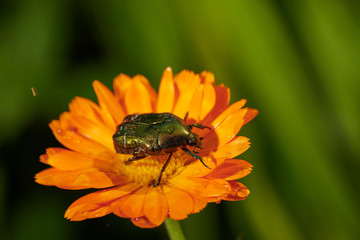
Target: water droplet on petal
x,y
196,171
228,154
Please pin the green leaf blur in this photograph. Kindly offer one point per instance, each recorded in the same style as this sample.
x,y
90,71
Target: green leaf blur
x,y
297,62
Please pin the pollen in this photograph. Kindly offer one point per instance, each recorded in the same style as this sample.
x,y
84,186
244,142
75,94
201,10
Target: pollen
x,y
145,172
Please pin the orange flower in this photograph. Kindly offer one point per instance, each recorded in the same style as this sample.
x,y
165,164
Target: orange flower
x,y
186,185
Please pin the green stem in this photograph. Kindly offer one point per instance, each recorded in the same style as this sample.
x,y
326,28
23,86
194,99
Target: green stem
x,y
174,230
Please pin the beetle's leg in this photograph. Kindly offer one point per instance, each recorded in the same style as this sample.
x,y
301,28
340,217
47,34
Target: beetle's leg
x,y
138,154
162,170
134,158
194,150
186,115
194,156
198,125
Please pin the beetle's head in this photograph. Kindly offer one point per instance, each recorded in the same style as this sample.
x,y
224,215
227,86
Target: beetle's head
x,y
194,140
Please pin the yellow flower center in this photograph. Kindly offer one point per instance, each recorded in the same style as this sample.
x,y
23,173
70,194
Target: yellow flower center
x,y
146,171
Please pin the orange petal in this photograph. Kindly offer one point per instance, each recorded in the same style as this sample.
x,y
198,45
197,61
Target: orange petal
x,y
64,159
143,222
186,82
231,169
151,90
224,132
207,77
131,205
79,179
221,103
180,203
238,191
108,103
233,108
166,92
88,109
94,131
120,85
197,169
155,206
70,139
138,97
91,205
201,186
202,102
250,115
233,148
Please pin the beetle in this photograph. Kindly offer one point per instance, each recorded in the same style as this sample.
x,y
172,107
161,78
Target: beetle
x,y
154,134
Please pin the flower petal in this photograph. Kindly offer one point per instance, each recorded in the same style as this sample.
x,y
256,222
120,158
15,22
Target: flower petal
x,y
250,115
155,206
201,186
207,77
233,148
221,103
231,169
202,102
232,109
71,139
238,191
143,222
79,179
97,204
64,159
99,133
166,97
86,108
224,131
137,97
181,203
186,82
131,205
120,85
108,103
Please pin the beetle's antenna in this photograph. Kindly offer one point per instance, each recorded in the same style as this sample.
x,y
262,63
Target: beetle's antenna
x,y
162,170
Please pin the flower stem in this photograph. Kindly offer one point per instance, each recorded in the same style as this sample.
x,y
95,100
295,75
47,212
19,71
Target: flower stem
x,y
174,230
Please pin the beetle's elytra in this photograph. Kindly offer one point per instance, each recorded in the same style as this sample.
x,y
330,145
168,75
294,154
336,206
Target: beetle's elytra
x,y
156,133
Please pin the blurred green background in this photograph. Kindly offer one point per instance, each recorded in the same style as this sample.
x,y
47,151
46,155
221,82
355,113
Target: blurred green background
x,y
295,61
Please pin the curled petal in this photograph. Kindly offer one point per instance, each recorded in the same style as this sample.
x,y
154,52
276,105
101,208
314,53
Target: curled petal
x,y
250,115
238,191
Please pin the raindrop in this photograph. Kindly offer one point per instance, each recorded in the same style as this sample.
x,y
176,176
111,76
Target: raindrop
x,y
196,171
228,154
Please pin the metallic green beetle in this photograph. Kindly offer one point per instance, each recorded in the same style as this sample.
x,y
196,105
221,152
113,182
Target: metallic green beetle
x,y
156,133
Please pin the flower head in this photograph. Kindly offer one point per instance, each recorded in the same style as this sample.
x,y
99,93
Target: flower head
x,y
90,160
